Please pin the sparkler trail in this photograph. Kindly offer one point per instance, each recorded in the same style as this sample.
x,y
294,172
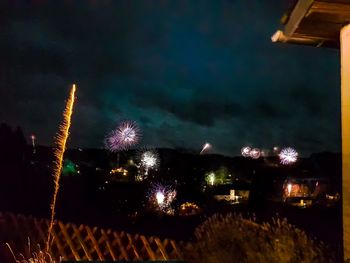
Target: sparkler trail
x,y
61,140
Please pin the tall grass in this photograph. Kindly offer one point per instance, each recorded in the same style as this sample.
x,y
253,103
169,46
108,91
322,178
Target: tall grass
x,y
232,239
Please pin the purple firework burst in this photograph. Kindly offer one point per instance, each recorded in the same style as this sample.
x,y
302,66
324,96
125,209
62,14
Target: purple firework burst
x,y
124,136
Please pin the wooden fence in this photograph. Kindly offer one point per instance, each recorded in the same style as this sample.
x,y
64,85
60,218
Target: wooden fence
x,y
83,242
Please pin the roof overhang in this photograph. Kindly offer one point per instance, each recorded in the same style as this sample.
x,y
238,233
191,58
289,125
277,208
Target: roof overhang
x,y
315,22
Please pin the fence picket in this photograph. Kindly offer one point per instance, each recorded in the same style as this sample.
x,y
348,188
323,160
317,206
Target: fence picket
x,y
69,241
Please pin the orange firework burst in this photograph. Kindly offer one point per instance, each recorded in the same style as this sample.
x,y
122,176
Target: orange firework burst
x,y
61,141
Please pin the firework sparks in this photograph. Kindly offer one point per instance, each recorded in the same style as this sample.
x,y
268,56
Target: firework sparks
x,y
211,178
245,151
288,156
206,146
125,135
35,256
149,159
61,141
162,196
255,153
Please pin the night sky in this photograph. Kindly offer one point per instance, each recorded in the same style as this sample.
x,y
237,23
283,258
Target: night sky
x,y
187,71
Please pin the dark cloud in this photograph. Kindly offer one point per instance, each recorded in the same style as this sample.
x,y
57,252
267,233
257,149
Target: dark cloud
x,y
199,109
187,71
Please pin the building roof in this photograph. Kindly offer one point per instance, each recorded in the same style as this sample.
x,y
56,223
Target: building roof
x,y
314,22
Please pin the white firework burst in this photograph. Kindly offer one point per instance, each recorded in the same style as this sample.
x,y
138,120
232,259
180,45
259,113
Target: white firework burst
x,y
245,151
288,155
149,159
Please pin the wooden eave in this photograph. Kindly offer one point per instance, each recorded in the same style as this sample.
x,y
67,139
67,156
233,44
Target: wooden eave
x,y
315,22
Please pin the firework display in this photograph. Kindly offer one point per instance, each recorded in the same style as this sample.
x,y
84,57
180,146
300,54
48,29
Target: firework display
x,y
288,155
124,136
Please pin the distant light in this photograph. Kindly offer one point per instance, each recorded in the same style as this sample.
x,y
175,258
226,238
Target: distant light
x,y
32,137
212,178
119,170
289,188
232,194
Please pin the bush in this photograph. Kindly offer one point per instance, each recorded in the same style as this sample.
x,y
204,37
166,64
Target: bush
x,y
232,238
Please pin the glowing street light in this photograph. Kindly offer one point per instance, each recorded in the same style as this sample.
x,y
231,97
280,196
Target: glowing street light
x,y
32,137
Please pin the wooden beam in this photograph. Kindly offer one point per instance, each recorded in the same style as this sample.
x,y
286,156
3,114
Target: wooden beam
x,y
300,39
298,13
331,8
345,117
